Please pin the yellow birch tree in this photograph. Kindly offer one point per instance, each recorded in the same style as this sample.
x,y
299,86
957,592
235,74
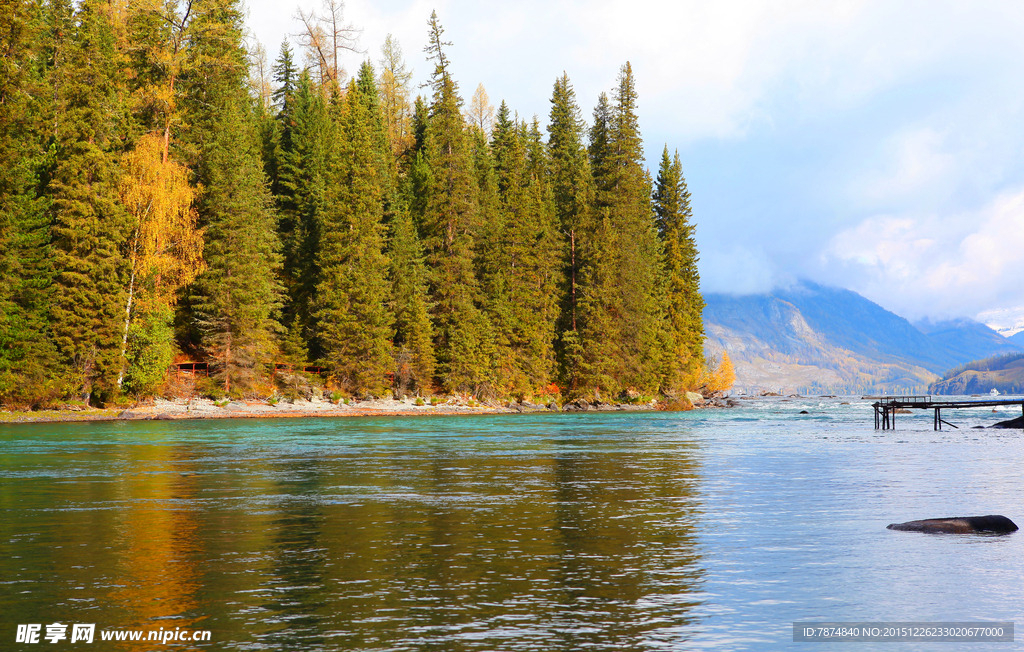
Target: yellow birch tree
x,y
166,247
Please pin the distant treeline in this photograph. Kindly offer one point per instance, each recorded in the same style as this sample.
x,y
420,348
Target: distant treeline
x,y
995,363
165,193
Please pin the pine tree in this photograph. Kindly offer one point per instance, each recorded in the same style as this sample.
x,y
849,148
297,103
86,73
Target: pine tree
x,y
544,288
491,260
449,224
573,195
622,321
238,295
286,77
353,324
302,161
521,254
90,226
27,354
684,304
237,298
600,148
415,362
419,178
276,124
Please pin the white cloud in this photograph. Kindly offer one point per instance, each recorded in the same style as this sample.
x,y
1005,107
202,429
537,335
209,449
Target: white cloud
x,y
737,269
913,161
937,265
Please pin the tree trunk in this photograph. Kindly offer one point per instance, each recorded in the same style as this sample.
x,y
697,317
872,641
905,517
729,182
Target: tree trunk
x,y
572,264
128,311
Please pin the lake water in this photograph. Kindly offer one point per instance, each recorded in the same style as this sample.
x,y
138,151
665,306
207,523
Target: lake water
x,y
713,529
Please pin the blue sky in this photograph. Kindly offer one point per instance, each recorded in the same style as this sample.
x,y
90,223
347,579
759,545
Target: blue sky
x,y
877,146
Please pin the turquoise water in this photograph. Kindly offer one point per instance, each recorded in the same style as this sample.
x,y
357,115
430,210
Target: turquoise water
x,y
713,529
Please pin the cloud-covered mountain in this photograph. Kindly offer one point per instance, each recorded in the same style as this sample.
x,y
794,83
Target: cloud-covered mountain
x,y
812,338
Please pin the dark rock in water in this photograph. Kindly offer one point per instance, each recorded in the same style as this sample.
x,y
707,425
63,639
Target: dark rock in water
x,y
993,523
163,416
1012,423
804,412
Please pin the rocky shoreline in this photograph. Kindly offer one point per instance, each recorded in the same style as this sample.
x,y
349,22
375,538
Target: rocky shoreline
x,y
201,408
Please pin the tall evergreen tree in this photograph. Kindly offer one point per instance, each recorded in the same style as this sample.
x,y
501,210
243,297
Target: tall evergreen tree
x,y
90,226
684,304
415,362
600,147
276,122
286,76
27,355
354,325
521,253
302,161
449,224
622,329
238,296
490,239
419,178
573,194
544,289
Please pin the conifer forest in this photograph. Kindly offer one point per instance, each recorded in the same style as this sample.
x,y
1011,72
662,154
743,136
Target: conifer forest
x,y
168,195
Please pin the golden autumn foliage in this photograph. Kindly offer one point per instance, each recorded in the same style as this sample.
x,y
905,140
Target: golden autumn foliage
x,y
166,246
722,378
393,86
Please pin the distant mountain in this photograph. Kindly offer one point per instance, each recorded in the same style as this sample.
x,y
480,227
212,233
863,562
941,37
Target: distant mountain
x,y
821,339
966,337
1017,339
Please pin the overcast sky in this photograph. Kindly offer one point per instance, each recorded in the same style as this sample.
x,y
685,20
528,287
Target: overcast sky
x,y
877,146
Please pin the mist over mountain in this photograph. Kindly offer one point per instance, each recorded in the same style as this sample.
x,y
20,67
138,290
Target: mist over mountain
x,y
813,338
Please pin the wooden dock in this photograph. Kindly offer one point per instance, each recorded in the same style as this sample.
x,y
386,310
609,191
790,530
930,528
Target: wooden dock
x,y
886,407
